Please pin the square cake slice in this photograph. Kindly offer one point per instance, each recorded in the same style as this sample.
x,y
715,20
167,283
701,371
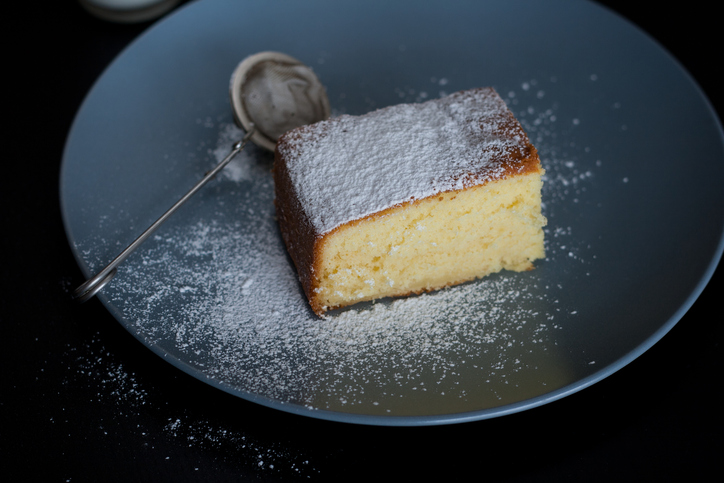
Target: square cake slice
x,y
408,199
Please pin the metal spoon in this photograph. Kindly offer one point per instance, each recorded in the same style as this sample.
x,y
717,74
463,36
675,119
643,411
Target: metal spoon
x,y
271,93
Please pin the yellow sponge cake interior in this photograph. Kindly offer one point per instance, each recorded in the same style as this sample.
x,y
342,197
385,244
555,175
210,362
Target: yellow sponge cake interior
x,y
442,240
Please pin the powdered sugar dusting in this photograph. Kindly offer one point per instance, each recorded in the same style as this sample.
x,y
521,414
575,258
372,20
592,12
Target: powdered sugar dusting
x,y
238,169
398,154
216,292
244,321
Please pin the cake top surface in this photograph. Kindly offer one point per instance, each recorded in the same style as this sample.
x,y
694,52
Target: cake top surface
x,y
349,167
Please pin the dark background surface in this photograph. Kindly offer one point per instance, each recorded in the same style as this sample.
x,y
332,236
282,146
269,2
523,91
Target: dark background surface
x,y
82,400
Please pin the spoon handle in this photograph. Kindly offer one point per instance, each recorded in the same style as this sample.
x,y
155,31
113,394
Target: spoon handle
x,y
94,284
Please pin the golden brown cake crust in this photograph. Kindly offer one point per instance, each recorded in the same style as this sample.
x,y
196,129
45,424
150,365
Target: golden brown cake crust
x,y
304,241
298,233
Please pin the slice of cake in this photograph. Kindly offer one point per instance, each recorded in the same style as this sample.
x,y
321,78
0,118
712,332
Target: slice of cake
x,y
409,198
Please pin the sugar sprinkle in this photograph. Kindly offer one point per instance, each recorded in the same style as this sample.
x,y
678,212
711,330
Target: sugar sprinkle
x,y
219,294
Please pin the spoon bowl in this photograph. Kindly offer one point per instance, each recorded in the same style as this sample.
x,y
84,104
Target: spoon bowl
x,y
276,93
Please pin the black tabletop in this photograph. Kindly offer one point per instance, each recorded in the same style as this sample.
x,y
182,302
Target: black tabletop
x,y
82,400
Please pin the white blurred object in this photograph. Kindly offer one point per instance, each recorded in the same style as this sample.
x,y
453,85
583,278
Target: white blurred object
x,y
128,11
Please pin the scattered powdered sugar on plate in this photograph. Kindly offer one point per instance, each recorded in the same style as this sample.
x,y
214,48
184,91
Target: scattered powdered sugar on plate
x,y
216,293
238,169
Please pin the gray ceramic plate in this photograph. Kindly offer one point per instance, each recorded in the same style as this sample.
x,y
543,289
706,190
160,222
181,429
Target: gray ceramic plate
x,y
632,149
